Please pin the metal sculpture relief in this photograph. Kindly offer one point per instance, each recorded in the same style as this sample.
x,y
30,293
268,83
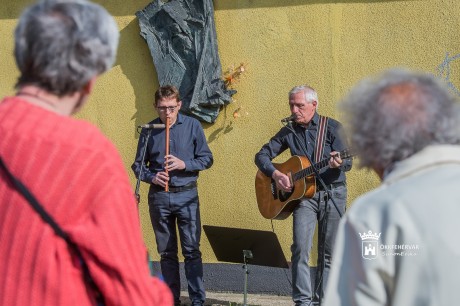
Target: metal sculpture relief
x,y
182,40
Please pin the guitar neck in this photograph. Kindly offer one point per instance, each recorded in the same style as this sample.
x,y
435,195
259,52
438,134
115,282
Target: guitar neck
x,y
309,170
318,166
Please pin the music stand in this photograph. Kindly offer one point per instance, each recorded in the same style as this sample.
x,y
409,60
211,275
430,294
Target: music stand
x,y
238,245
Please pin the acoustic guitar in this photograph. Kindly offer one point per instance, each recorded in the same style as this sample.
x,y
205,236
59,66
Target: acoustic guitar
x,y
277,204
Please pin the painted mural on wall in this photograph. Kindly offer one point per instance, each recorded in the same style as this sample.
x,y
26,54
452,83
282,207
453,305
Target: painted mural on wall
x,y
182,40
445,69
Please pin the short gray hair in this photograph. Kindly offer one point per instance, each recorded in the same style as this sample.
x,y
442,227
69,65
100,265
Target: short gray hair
x,y
398,113
61,45
310,93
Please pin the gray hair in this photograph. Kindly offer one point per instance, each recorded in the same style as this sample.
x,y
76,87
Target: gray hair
x,y
61,45
397,114
310,93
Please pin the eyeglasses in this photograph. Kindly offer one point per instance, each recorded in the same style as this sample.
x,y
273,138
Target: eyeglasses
x,y
163,109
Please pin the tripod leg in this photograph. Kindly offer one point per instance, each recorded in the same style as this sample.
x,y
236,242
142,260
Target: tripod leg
x,y
245,290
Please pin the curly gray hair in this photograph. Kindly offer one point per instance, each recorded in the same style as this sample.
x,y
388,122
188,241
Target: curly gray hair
x,y
397,114
61,45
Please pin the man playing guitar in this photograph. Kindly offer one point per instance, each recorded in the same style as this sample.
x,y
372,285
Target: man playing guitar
x,y
319,138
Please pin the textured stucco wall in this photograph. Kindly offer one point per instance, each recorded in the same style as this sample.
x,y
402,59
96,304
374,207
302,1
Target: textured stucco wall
x,y
327,44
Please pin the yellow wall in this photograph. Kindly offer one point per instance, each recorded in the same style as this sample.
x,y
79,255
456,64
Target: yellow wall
x,y
327,44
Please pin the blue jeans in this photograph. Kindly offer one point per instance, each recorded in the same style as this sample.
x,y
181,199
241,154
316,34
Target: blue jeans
x,y
305,216
182,208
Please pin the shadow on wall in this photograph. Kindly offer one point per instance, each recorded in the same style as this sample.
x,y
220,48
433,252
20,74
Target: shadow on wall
x,y
129,8
225,127
136,64
133,55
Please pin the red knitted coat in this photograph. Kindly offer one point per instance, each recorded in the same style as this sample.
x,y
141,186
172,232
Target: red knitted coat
x,y
78,176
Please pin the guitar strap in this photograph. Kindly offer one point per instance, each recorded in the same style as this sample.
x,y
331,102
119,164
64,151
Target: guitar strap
x,y
320,138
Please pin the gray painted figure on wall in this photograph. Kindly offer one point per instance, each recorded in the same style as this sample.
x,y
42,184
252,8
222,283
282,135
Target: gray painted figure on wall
x,y
182,40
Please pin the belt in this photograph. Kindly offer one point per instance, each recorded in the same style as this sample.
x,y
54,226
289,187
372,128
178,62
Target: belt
x,y
189,186
319,187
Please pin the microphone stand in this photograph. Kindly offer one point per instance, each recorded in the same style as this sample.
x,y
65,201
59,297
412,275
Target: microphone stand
x,y
322,238
136,193
138,183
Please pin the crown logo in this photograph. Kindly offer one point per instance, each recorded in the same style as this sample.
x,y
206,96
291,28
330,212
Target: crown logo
x,y
370,235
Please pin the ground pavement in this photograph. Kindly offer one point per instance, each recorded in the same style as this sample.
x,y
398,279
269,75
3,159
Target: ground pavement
x,y
224,299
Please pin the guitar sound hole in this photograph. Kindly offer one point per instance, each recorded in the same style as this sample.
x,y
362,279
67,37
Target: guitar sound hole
x,y
284,196
279,194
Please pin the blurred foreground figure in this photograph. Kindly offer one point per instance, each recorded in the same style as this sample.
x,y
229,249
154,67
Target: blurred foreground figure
x,y
73,171
397,245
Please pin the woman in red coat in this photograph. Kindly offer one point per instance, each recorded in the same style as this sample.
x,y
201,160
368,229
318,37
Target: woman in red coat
x,y
74,171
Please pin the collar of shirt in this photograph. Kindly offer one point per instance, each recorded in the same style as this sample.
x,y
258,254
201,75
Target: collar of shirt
x,y
312,124
179,120
431,156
